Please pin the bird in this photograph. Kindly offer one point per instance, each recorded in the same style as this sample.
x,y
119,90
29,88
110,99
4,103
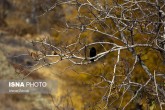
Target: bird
x,y
92,53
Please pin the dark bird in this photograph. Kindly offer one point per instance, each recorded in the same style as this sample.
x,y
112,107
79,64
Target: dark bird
x,y
92,54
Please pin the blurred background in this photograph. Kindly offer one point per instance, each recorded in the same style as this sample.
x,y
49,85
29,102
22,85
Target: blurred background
x,y
22,21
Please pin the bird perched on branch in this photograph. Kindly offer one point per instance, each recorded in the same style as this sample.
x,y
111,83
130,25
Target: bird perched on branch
x,y
92,54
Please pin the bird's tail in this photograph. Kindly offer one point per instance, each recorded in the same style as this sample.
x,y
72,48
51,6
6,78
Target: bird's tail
x,y
92,60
